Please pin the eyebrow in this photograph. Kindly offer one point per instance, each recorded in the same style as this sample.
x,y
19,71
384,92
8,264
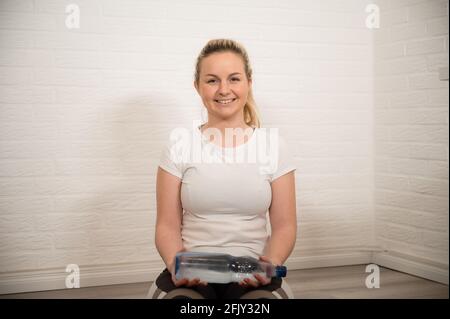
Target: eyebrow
x,y
217,76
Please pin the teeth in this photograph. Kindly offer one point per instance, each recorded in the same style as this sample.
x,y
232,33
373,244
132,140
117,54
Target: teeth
x,y
224,101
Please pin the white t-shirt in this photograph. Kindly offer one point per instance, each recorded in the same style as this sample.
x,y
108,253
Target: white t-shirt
x,y
226,192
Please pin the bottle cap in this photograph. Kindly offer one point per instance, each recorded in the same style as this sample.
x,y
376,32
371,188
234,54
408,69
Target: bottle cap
x,y
280,271
177,264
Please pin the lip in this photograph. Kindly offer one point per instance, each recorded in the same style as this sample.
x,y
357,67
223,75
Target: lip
x,y
232,101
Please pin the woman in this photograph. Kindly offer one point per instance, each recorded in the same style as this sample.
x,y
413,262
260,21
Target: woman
x,y
221,207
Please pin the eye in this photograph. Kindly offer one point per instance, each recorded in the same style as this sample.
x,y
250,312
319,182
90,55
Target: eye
x,y
235,79
211,81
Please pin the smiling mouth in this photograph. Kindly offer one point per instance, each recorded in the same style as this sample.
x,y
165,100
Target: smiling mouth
x,y
225,102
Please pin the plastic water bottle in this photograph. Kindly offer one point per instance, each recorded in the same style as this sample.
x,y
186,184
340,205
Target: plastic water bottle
x,y
223,268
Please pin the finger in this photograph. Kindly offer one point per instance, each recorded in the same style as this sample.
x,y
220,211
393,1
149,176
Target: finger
x,y
181,282
251,283
259,278
263,280
193,282
190,283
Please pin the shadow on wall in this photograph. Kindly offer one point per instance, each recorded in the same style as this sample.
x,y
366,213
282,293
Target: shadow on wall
x,y
118,212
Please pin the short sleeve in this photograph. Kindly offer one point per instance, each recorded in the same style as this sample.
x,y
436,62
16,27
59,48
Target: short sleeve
x,y
168,160
285,160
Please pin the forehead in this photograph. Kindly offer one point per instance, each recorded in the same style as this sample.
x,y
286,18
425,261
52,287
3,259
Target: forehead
x,y
222,63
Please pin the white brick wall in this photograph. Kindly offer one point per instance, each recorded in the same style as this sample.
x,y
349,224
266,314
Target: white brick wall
x,y
84,113
411,130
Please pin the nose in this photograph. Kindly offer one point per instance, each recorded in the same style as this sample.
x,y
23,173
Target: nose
x,y
224,89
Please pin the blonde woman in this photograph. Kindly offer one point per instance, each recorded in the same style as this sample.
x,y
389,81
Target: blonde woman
x,y
222,206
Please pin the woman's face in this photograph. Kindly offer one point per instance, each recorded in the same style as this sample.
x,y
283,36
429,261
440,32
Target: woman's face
x,y
223,85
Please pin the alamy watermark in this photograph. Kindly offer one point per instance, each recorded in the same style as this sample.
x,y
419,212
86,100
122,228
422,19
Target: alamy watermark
x,y
373,280
73,279
261,147
73,19
373,19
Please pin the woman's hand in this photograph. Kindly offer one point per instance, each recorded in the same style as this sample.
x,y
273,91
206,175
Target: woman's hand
x,y
184,281
260,280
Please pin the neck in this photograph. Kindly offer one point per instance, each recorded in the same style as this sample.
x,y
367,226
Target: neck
x,y
224,124
221,124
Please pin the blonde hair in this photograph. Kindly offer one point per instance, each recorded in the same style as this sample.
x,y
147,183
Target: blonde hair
x,y
251,116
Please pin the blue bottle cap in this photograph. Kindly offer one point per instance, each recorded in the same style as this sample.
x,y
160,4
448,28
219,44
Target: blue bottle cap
x,y
280,271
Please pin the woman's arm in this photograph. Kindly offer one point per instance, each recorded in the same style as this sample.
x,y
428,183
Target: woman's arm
x,y
283,219
169,216
168,223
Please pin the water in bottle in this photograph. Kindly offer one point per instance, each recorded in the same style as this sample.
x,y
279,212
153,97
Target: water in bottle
x,y
222,268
